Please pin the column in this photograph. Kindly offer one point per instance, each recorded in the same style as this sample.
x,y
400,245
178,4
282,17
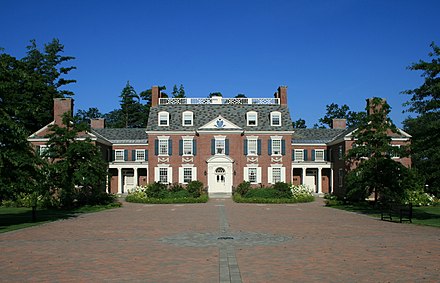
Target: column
x,y
330,182
303,175
319,181
135,176
120,181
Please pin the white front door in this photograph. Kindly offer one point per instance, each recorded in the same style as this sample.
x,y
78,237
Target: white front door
x,y
220,176
310,179
128,183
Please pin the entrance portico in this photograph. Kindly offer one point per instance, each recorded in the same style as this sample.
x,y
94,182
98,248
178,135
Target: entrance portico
x,y
220,174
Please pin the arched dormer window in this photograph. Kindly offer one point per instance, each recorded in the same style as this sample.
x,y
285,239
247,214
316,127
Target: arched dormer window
x,y
164,118
275,118
252,118
187,118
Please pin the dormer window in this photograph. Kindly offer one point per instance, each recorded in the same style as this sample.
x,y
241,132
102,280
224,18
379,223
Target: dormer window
x,y
164,118
252,118
187,118
275,118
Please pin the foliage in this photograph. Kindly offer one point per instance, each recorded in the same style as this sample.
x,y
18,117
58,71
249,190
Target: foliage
x,y
240,95
215,94
178,92
334,111
425,128
278,193
195,188
283,189
243,188
86,115
299,124
173,193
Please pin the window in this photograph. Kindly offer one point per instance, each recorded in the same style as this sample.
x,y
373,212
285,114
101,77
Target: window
x,y
219,146
187,147
276,146
119,155
275,118
395,152
163,147
163,175
43,150
252,175
340,177
187,118
164,118
319,155
140,155
340,152
252,118
299,155
276,175
252,147
187,175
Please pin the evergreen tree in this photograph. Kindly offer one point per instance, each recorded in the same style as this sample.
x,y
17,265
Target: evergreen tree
x,y
178,92
334,111
299,124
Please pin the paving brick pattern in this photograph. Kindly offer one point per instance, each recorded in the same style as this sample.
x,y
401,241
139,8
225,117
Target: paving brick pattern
x,y
126,245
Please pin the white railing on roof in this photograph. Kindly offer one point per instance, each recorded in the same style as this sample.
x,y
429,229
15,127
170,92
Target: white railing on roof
x,y
216,100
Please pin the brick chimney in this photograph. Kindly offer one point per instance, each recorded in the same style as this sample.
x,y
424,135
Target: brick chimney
x,y
61,106
370,105
97,123
339,123
155,95
282,95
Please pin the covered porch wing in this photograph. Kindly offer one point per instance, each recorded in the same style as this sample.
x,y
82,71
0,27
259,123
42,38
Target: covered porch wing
x,y
125,177
318,177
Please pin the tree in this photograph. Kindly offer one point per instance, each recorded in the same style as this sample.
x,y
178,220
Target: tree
x,y
299,124
425,127
77,171
375,170
215,94
178,92
240,95
129,105
30,84
334,111
86,115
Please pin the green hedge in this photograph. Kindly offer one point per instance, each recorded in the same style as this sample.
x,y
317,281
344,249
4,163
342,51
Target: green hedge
x,y
137,199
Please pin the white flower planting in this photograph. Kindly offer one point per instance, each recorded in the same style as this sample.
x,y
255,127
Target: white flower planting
x,y
301,190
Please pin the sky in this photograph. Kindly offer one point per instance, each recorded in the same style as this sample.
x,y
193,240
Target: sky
x,y
340,51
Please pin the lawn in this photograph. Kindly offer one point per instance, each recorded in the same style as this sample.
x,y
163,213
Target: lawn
x,y
13,218
424,215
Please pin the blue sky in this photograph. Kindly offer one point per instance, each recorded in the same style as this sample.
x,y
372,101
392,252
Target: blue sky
x,y
325,51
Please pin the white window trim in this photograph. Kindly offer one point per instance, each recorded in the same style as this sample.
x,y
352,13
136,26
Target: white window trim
x,y
316,155
43,149
270,173
340,152
248,119
167,118
246,173
143,152
187,139
272,114
183,118
166,141
193,173
220,138
276,138
116,155
301,151
169,173
393,156
254,139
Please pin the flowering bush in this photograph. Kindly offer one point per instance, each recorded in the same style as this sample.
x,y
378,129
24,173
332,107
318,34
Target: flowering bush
x,y
301,190
419,198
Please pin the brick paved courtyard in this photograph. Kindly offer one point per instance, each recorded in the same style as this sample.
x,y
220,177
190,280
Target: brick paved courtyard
x,y
221,241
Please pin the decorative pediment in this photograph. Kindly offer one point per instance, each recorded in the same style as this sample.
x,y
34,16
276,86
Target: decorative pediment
x,y
220,123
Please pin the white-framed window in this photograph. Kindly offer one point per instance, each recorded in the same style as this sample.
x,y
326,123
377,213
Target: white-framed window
x,y
275,118
43,149
119,155
252,174
252,146
299,154
140,154
319,155
164,118
276,174
340,177
252,118
187,174
219,146
163,146
340,152
187,118
276,146
163,175
187,147
395,155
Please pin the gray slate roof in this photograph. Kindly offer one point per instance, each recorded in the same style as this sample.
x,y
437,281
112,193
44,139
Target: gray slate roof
x,y
316,135
122,135
204,113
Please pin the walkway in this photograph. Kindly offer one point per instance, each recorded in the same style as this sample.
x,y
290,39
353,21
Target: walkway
x,y
221,241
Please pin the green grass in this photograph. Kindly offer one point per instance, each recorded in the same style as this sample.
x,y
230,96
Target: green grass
x,y
14,218
423,215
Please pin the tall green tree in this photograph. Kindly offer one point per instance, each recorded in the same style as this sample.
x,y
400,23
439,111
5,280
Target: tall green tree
x,y
376,171
86,115
178,92
129,104
299,124
425,127
334,111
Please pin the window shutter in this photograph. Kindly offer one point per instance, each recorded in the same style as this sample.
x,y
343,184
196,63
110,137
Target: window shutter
x,y
180,148
269,175
194,147
325,155
259,147
170,147
194,174
245,150
126,154
212,146
170,175
133,155
156,174
113,156
313,155
305,155
156,147
283,174
181,175
227,146
246,174
258,174
269,147
283,147
146,155
293,155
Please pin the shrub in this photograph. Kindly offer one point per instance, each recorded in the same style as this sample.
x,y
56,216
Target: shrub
x,y
156,190
179,194
283,189
175,188
243,188
419,198
195,188
263,193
